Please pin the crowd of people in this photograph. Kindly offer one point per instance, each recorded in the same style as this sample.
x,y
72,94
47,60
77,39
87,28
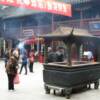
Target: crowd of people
x,y
12,59
55,55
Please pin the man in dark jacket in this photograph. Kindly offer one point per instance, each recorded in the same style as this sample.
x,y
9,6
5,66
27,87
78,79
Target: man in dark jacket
x,y
52,56
24,63
60,54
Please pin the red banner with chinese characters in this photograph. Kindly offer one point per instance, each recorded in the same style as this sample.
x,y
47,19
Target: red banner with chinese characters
x,y
50,6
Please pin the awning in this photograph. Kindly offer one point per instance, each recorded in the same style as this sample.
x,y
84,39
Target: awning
x,y
34,41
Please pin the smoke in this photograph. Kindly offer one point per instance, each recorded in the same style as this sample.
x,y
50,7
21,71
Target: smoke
x,y
39,19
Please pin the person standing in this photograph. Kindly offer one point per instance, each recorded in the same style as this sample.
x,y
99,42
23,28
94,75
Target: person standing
x,y
60,54
31,60
88,55
6,56
11,69
24,63
8,53
52,56
16,53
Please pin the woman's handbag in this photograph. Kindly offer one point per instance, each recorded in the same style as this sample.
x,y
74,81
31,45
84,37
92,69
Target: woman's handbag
x,y
16,79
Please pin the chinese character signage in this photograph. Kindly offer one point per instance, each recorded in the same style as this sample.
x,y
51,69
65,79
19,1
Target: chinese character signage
x,y
50,6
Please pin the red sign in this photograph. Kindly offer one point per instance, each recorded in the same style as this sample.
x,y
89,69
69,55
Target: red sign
x,y
43,5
